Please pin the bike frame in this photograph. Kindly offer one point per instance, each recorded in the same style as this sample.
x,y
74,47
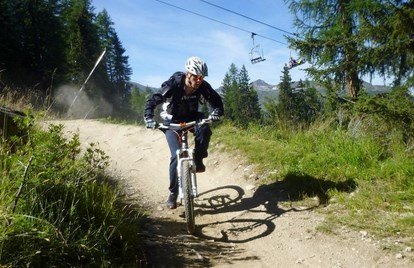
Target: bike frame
x,y
186,169
185,153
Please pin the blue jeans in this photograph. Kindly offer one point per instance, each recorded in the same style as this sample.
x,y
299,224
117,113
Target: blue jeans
x,y
202,139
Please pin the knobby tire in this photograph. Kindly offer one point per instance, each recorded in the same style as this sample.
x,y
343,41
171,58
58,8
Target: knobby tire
x,y
188,198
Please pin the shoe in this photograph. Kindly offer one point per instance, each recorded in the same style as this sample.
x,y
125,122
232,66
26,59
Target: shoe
x,y
172,201
200,167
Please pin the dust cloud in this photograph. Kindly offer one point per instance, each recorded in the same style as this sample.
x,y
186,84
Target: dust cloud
x,y
73,103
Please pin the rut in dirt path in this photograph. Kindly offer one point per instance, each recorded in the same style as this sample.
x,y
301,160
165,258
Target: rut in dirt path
x,y
238,223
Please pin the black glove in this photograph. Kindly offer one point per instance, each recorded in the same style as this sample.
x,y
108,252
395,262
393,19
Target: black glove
x,y
215,115
150,123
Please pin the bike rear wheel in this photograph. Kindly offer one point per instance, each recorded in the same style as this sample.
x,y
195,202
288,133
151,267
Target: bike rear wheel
x,y
188,198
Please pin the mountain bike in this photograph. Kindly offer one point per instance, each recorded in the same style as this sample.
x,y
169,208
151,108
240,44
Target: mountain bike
x,y
186,169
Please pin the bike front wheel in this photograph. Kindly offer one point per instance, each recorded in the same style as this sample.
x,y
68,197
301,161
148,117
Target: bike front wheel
x,y
188,198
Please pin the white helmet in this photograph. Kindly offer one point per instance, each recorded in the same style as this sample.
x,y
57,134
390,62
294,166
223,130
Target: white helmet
x,y
196,66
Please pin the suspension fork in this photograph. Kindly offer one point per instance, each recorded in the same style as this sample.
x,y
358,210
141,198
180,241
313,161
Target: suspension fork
x,y
190,157
186,154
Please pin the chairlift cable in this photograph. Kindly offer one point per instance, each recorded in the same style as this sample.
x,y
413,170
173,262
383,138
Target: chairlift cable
x,y
244,16
227,24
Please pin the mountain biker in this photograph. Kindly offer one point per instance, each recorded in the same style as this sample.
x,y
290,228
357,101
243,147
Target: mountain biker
x,y
180,96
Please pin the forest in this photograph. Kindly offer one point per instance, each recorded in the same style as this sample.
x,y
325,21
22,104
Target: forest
x,y
47,44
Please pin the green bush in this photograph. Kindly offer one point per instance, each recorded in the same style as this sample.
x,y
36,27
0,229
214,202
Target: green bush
x,y
388,112
59,208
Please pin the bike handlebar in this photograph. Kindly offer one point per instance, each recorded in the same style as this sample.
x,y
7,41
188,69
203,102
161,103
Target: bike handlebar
x,y
184,125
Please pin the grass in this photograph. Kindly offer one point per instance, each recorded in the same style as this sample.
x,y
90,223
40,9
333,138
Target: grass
x,y
59,207
361,180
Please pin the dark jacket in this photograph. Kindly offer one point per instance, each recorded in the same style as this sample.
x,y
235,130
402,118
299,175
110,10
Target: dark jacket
x,y
182,108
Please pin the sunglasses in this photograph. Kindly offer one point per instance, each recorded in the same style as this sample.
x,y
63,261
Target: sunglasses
x,y
197,77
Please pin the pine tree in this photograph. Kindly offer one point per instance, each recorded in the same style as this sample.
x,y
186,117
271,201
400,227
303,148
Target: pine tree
x,y
306,104
31,42
229,88
240,99
392,37
285,104
106,31
328,29
116,63
248,101
122,71
348,39
83,45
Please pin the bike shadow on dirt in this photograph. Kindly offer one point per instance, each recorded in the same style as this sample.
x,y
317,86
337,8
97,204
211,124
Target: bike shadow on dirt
x,y
168,245
265,199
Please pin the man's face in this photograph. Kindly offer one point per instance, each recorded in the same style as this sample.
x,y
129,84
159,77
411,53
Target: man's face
x,y
194,81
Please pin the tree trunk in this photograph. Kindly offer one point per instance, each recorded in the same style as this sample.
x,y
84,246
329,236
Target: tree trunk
x,y
350,51
352,84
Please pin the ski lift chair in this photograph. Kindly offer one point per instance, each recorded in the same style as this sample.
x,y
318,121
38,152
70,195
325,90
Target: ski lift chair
x,y
294,62
255,54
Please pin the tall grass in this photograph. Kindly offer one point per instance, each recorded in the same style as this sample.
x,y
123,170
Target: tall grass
x,y
366,179
59,208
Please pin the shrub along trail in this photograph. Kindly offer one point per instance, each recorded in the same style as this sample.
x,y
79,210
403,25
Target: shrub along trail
x,y
238,223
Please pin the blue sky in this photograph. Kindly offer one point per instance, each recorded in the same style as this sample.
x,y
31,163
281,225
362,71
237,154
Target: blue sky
x,y
159,38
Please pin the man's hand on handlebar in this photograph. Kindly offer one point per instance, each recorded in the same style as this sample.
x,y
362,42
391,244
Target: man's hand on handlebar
x,y
214,116
150,123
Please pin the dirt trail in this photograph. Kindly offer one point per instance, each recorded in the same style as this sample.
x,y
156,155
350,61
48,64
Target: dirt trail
x,y
238,224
